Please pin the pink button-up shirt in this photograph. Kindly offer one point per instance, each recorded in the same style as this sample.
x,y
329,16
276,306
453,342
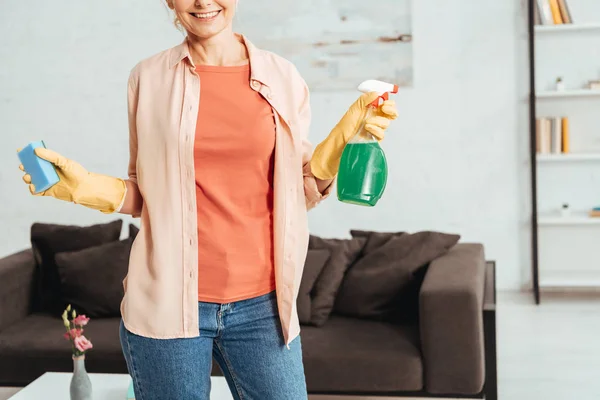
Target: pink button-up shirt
x,y
161,287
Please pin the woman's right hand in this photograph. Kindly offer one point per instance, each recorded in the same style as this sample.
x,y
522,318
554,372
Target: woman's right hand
x,y
78,185
71,175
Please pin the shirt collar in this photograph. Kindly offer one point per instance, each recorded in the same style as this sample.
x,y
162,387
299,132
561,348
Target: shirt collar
x,y
256,56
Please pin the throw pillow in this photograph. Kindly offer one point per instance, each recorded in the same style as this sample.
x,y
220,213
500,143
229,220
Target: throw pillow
x,y
49,239
343,253
92,279
313,266
374,239
133,231
372,285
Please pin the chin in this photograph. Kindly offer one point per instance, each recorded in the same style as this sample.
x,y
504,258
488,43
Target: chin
x,y
206,33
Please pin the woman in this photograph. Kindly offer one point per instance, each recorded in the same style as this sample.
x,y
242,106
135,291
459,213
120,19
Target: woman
x,y
221,175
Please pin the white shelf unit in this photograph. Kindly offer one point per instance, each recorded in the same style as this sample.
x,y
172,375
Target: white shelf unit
x,y
556,268
567,93
575,218
571,283
568,157
566,28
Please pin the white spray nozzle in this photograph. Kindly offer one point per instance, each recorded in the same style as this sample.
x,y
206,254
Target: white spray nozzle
x,y
380,87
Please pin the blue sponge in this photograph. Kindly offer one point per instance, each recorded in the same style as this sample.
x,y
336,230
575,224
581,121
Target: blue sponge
x,y
43,173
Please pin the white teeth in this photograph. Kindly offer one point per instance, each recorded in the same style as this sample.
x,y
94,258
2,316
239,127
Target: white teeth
x,y
206,15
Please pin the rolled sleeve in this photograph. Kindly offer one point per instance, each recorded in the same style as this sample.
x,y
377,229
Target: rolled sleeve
x,y
312,194
311,191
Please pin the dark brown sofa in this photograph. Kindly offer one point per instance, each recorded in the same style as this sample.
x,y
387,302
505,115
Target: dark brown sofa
x,y
450,352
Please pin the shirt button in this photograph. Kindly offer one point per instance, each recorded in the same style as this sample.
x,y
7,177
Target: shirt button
x,y
255,84
269,96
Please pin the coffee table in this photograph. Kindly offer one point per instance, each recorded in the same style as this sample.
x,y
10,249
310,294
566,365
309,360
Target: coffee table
x,y
55,386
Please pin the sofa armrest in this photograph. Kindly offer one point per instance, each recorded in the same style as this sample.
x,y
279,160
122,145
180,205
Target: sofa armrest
x,y
451,321
16,286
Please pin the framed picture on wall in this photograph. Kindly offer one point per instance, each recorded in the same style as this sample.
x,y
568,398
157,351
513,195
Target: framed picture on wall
x,y
335,44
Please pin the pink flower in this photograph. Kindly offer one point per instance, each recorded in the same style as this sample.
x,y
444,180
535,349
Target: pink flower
x,y
81,320
73,333
82,343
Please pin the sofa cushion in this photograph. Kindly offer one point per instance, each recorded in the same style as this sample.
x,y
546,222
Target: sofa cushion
x,y
353,355
373,285
16,277
343,253
313,266
36,345
92,279
49,239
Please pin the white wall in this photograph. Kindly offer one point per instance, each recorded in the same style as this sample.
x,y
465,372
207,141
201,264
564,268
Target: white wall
x,y
456,153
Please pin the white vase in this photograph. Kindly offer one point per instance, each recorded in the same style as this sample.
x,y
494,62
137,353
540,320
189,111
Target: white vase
x,y
81,386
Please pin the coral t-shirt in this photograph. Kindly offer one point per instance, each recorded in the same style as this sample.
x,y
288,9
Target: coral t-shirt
x,y
234,156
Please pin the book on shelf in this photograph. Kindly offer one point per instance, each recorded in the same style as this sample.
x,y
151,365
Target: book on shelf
x,y
594,84
594,212
565,135
552,135
552,12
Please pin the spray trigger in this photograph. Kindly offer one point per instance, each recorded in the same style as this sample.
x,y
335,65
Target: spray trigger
x,y
382,88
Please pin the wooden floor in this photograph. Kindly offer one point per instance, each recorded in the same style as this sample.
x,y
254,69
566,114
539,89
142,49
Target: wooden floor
x,y
546,352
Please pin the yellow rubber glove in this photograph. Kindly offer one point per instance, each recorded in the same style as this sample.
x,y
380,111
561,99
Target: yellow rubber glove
x,y
77,185
325,161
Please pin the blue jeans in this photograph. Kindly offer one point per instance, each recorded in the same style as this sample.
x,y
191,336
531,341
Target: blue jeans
x,y
244,338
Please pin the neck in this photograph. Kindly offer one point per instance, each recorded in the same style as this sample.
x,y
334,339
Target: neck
x,y
223,49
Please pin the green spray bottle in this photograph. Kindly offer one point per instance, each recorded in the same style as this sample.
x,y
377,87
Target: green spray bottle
x,y
363,171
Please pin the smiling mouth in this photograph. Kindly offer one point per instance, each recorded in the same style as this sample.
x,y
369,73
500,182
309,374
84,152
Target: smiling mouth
x,y
206,16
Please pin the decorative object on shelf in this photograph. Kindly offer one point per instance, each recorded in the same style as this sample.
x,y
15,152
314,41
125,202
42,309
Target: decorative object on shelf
x,y
595,212
560,84
81,386
594,84
565,211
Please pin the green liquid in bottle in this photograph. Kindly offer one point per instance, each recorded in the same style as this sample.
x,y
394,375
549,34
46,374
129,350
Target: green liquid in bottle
x,y
362,175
